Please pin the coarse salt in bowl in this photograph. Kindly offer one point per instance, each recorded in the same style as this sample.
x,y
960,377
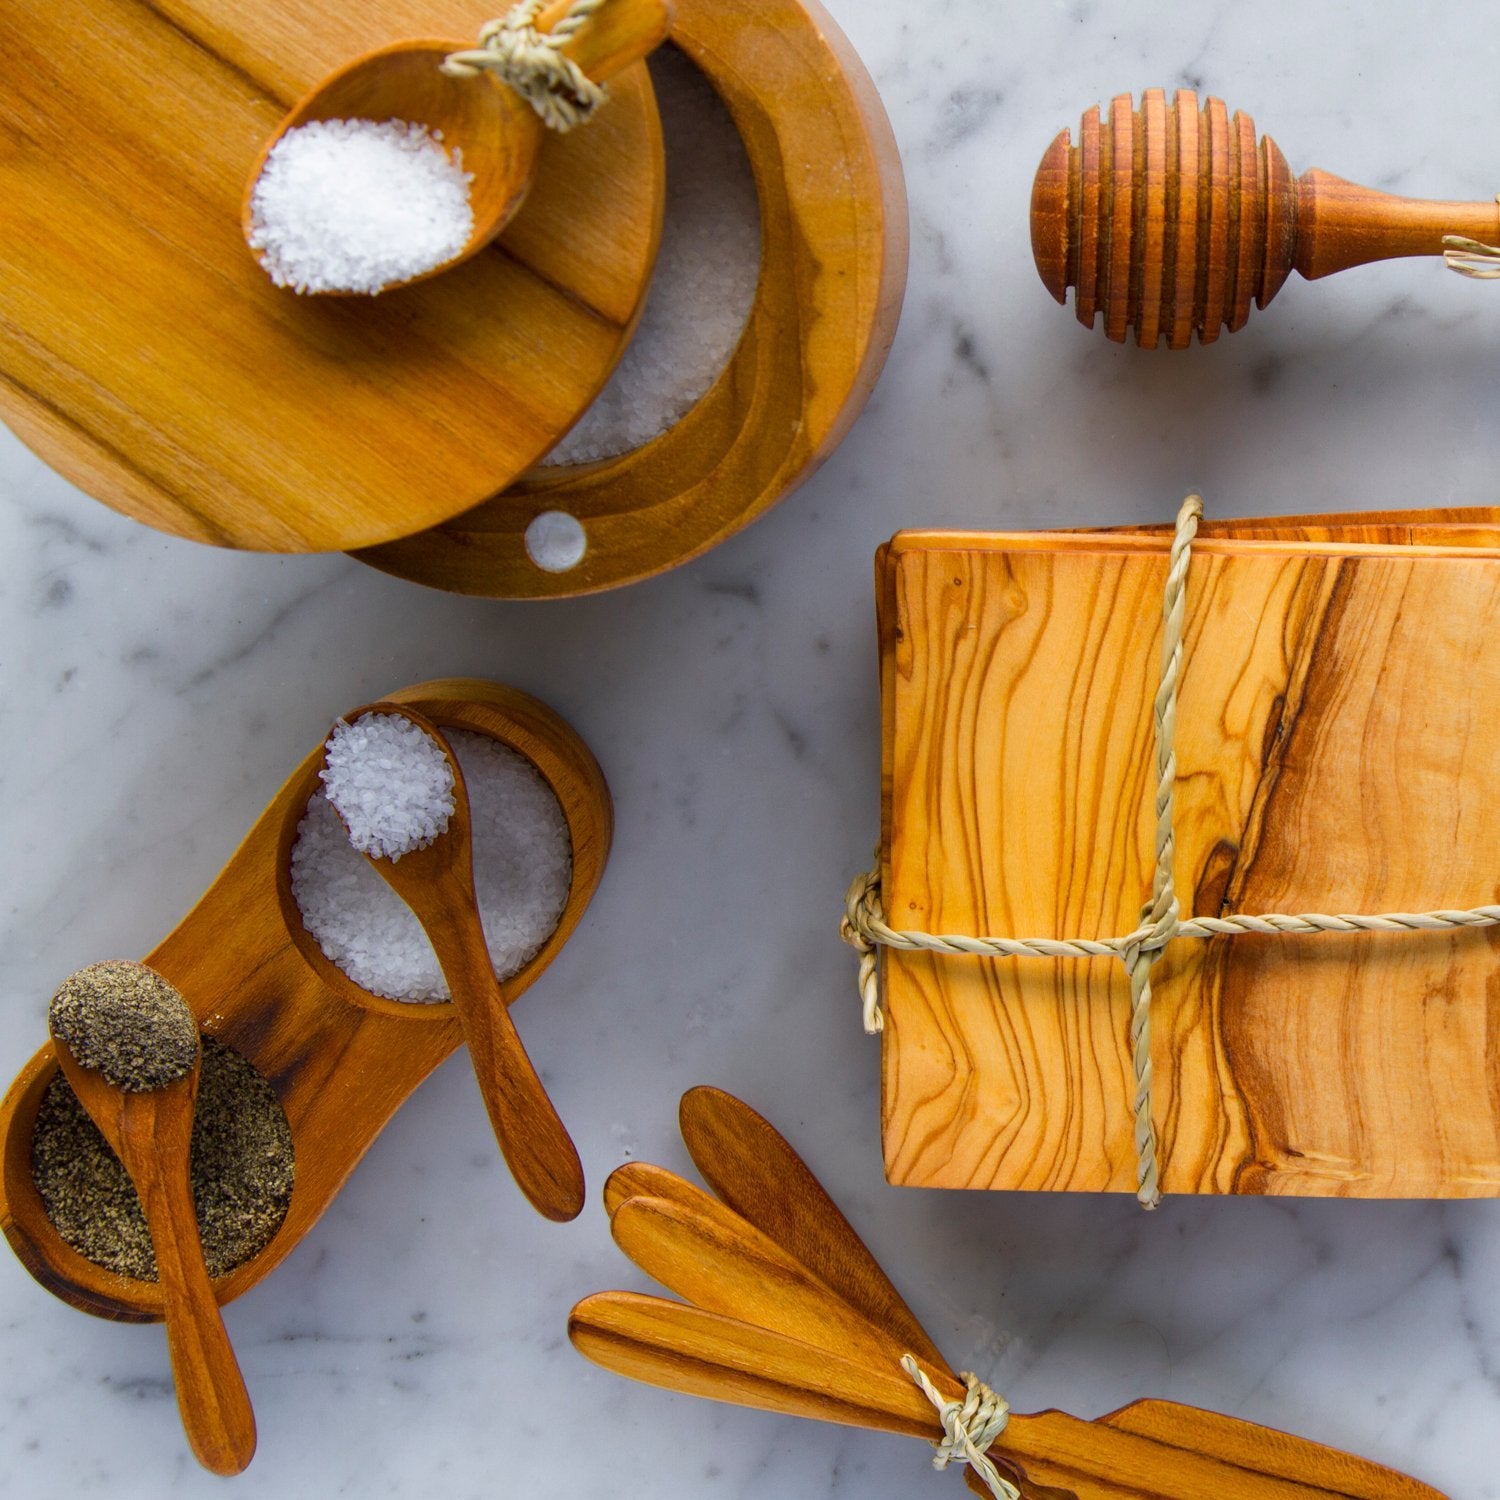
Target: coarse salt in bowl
x,y
523,872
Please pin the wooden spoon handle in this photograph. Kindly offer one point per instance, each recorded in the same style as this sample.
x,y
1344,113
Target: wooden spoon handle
x,y
618,34
1217,1456
531,1135
211,1396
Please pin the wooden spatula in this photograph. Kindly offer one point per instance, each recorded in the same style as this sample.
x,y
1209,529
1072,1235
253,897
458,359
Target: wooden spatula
x,y
792,1313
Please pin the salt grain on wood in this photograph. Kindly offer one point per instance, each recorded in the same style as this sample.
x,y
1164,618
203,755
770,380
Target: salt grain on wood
x,y
389,782
358,205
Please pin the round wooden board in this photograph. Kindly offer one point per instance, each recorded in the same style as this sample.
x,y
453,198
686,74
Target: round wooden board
x,y
833,270
147,358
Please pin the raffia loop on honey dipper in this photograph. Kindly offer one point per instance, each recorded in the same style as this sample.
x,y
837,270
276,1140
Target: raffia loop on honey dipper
x,y
865,929
534,65
1472,257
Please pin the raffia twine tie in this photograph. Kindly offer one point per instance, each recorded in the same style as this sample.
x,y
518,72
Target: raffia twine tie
x,y
865,929
534,65
970,1426
1472,257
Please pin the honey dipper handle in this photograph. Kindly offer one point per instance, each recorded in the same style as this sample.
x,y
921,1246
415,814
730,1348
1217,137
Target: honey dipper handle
x,y
1340,224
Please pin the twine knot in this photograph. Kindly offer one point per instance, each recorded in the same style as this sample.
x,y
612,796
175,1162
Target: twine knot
x,y
1472,257
970,1427
534,65
862,911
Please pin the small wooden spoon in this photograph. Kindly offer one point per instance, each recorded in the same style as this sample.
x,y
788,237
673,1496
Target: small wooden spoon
x,y
497,132
437,883
151,1132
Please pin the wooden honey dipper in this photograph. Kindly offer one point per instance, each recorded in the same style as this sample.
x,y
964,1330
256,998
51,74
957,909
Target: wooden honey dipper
x,y
1170,220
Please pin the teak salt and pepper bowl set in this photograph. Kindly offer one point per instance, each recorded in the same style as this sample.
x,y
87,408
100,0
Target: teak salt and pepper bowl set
x,y
786,1309
203,400
1169,220
340,1059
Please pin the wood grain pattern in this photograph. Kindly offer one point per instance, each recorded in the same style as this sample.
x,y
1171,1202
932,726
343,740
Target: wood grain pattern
x,y
1195,235
833,270
146,356
1335,753
340,1059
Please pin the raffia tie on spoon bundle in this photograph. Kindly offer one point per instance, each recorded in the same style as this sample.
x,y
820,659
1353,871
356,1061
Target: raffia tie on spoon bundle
x,y
787,1310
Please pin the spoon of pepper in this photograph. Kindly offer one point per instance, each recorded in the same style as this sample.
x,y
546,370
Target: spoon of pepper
x,y
128,1045
545,65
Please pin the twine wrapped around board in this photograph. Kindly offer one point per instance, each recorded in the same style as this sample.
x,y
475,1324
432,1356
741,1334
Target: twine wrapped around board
x,y
533,64
865,928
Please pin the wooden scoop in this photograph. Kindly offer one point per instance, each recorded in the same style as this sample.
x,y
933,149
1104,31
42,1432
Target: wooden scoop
x,y
793,1314
1169,220
496,131
437,883
151,1132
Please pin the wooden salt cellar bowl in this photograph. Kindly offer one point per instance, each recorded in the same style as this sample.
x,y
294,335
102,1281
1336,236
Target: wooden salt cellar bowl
x,y
148,358
340,1059
832,275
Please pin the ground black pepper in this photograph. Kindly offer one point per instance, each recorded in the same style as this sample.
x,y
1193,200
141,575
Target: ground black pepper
x,y
126,1021
242,1172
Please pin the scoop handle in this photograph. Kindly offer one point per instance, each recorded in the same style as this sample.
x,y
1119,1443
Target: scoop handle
x,y
531,1135
211,1396
619,33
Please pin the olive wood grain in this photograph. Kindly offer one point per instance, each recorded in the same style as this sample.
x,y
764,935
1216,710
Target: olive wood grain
x,y
437,883
151,1132
147,357
833,244
340,1059
766,1330
1170,220
1318,770
496,133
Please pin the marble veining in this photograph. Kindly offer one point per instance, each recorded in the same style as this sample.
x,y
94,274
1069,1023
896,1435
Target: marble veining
x,y
158,692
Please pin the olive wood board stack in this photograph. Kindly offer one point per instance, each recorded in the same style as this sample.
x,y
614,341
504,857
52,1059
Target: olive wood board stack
x,y
340,1059
1337,746
148,358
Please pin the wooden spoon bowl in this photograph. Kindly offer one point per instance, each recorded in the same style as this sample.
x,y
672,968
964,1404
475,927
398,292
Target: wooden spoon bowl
x,y
494,130
340,1059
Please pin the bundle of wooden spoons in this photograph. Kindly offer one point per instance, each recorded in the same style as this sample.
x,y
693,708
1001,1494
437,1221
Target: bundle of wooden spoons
x,y
1169,220
436,880
787,1310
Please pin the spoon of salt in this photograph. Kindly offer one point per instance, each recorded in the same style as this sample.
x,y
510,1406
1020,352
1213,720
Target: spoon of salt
x,y
356,192
128,1044
396,784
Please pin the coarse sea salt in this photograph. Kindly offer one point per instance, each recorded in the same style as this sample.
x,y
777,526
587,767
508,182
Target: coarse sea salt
x,y
705,279
389,782
358,205
523,867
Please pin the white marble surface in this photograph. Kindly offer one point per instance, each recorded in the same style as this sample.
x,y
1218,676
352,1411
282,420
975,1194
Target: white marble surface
x,y
157,692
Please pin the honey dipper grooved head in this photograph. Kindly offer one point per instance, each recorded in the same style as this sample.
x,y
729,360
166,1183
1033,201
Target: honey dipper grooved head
x,y
1167,219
